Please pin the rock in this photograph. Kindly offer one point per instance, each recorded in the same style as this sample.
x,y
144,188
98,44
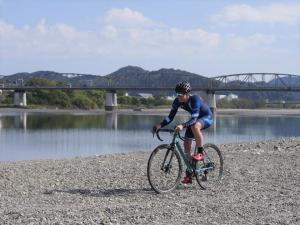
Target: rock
x,y
277,148
113,189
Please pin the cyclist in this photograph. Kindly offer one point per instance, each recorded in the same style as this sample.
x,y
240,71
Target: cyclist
x,y
201,118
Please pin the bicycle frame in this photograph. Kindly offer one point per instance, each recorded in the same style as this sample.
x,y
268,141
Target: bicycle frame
x,y
165,164
184,156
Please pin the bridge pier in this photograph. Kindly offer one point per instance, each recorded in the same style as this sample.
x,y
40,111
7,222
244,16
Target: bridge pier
x,y
20,98
111,100
211,100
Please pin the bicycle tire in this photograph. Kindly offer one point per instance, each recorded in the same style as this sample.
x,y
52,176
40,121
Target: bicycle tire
x,y
161,177
212,159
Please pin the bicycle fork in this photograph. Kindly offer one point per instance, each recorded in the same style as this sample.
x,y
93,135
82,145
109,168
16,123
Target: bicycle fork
x,y
166,167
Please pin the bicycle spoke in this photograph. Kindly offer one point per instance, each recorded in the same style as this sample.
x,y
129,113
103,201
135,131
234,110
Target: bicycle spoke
x,y
163,173
211,167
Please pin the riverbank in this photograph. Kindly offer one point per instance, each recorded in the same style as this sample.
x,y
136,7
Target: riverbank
x,y
159,111
260,186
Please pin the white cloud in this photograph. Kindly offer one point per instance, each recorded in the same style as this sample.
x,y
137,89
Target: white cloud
x,y
195,37
275,13
8,32
127,18
128,37
60,40
137,33
138,36
40,27
110,31
253,42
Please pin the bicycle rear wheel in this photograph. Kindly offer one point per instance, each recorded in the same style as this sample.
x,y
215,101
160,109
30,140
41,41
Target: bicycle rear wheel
x,y
212,166
164,169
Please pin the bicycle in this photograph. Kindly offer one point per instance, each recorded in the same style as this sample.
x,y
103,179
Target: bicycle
x,y
164,168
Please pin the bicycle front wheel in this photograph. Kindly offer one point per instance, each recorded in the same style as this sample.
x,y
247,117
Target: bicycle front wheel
x,y
164,169
211,167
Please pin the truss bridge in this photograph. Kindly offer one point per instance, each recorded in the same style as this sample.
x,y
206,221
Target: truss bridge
x,y
235,82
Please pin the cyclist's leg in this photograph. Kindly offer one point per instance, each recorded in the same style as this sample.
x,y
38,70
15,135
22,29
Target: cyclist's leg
x,y
188,141
188,146
188,149
202,123
196,129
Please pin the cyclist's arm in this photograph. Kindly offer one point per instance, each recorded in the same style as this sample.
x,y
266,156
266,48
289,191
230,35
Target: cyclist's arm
x,y
172,114
192,121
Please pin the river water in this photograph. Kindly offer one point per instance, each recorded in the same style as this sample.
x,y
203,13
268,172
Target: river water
x,y
25,136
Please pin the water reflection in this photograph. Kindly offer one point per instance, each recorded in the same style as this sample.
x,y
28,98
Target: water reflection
x,y
234,125
21,121
111,120
46,121
45,135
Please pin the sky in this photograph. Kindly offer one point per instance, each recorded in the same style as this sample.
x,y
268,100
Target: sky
x,y
206,37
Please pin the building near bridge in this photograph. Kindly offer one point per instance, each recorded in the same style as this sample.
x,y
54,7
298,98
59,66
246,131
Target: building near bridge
x,y
171,98
228,97
145,95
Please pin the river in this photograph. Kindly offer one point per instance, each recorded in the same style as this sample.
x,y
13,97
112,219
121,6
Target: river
x,y
26,136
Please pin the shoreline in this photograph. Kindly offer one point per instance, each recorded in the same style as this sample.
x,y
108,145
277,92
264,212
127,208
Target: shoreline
x,y
113,189
159,111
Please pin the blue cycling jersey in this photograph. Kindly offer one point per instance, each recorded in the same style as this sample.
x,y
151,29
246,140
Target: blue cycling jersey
x,y
195,106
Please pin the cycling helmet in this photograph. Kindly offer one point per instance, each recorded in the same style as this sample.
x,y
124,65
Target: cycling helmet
x,y
183,87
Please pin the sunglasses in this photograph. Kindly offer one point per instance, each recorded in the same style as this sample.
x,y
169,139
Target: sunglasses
x,y
179,94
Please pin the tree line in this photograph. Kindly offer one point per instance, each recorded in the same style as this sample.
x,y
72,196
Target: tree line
x,y
95,99
77,99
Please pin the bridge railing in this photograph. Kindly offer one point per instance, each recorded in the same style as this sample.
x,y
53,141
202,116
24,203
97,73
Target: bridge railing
x,y
246,81
256,80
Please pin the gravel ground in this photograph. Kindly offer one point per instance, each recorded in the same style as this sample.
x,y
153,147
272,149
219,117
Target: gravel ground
x,y
261,185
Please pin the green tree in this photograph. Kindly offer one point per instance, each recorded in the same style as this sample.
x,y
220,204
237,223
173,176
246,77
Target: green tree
x,y
83,102
125,100
38,82
135,101
64,98
61,99
240,103
2,98
160,100
98,97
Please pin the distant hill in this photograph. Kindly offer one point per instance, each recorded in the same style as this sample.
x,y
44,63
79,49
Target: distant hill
x,y
294,81
49,75
291,96
126,76
136,76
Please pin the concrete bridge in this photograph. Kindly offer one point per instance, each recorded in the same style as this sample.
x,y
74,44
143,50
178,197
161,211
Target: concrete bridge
x,y
233,82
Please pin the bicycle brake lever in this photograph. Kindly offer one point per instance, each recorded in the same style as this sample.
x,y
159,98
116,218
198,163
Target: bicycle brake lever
x,y
153,130
157,135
